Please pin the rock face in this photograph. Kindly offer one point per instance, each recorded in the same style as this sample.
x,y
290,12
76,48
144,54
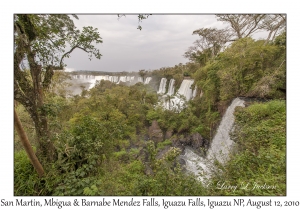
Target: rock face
x,y
195,140
169,134
155,133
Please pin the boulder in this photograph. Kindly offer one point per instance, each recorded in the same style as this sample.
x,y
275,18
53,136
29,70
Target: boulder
x,y
195,140
155,133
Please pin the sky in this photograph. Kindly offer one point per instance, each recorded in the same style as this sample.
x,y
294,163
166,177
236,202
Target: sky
x,y
161,42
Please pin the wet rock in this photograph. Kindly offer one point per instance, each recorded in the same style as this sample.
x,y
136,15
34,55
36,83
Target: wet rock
x,y
155,133
169,134
181,161
195,140
162,152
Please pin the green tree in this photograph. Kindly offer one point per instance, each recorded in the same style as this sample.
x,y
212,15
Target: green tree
x,y
42,41
143,73
210,43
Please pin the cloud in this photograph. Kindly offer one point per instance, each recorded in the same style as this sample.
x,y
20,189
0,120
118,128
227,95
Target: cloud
x,y
161,42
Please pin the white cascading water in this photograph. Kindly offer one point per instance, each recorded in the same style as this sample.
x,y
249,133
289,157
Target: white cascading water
x,y
185,89
220,146
171,87
177,102
162,86
93,83
221,143
99,78
140,79
148,79
115,79
194,92
193,162
83,77
131,79
122,79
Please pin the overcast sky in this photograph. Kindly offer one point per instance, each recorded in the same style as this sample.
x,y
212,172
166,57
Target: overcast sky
x,y
161,42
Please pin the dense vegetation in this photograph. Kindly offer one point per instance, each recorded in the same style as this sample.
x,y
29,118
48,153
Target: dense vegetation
x,y
100,142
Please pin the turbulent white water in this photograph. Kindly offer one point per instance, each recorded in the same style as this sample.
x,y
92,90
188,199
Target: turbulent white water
x,y
193,162
162,86
220,146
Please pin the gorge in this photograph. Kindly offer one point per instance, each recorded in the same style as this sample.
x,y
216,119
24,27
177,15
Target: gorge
x,y
221,144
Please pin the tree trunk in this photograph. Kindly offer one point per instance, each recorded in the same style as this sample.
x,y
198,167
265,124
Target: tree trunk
x,y
30,93
24,140
45,146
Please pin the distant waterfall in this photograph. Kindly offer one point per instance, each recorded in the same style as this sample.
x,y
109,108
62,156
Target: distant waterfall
x,y
115,79
162,86
220,146
131,79
148,79
122,79
185,89
171,87
128,79
140,79
99,78
83,77
177,102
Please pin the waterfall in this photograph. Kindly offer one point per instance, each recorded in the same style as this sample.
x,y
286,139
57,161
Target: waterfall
x,y
221,143
177,103
99,78
122,79
220,146
171,87
194,92
140,79
115,79
162,86
185,89
148,79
